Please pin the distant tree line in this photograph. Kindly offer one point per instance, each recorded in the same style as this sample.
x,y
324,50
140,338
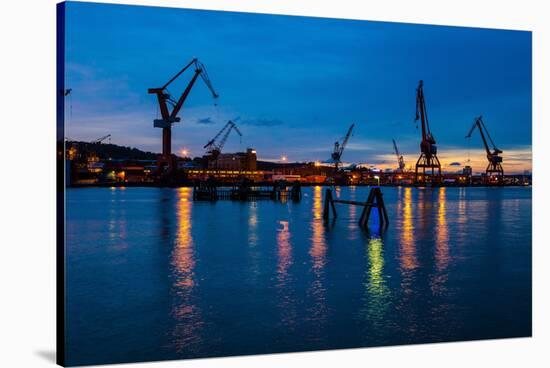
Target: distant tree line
x,y
106,150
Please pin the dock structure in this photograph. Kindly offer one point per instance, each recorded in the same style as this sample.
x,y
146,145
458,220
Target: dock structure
x,y
374,200
246,193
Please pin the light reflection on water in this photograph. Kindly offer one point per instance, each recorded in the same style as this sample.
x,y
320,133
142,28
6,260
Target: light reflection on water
x,y
442,257
377,295
284,278
186,313
158,274
318,248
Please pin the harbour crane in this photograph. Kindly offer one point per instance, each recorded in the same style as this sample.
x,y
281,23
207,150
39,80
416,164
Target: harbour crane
x,y
214,146
339,148
428,149
494,168
169,109
400,160
99,140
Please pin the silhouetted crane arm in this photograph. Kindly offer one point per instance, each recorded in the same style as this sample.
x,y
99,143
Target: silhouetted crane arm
x,y
226,135
213,140
346,139
395,149
178,74
99,140
183,97
478,122
165,98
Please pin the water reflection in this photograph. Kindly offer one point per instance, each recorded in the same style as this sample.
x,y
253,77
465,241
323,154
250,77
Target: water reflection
x,y
117,225
317,251
441,245
377,292
186,313
284,252
318,245
352,223
407,246
286,301
253,239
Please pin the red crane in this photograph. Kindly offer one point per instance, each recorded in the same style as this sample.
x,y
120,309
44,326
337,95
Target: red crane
x,y
428,149
494,168
167,161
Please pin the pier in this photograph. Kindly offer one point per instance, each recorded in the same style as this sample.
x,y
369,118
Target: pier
x,y
205,192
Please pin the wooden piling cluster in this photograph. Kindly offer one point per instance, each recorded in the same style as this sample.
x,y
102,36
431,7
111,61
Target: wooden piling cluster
x,y
374,200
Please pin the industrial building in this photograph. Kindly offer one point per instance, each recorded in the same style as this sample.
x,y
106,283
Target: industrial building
x,y
241,161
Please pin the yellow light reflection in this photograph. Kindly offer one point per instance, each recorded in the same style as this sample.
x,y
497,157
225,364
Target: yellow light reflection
x,y
376,284
318,244
408,248
377,291
442,240
317,251
441,246
183,253
185,312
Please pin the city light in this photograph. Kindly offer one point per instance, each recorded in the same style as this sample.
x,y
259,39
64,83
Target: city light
x,y
283,158
184,152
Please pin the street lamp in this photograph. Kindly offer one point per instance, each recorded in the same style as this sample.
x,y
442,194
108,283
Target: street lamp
x,y
377,178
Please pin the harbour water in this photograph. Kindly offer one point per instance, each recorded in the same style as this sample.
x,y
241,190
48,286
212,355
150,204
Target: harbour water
x,y
153,275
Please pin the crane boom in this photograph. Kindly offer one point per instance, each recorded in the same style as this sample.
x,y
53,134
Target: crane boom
x,y
478,122
346,139
494,166
339,147
170,116
214,146
400,160
99,140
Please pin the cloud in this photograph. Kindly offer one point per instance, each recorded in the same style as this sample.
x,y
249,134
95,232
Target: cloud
x,y
456,163
206,121
262,122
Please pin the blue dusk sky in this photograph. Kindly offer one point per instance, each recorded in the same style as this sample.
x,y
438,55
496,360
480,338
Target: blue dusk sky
x,y
297,83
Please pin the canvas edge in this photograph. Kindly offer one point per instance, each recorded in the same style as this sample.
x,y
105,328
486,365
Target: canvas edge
x,y
60,184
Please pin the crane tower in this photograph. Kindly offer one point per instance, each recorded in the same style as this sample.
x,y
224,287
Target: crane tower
x,y
428,149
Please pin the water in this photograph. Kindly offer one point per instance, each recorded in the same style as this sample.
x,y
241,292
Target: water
x,y
152,275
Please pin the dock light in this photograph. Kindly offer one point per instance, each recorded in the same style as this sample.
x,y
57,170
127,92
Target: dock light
x,y
377,178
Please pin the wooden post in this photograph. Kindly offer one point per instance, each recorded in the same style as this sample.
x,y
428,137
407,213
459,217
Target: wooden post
x,y
328,205
375,199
